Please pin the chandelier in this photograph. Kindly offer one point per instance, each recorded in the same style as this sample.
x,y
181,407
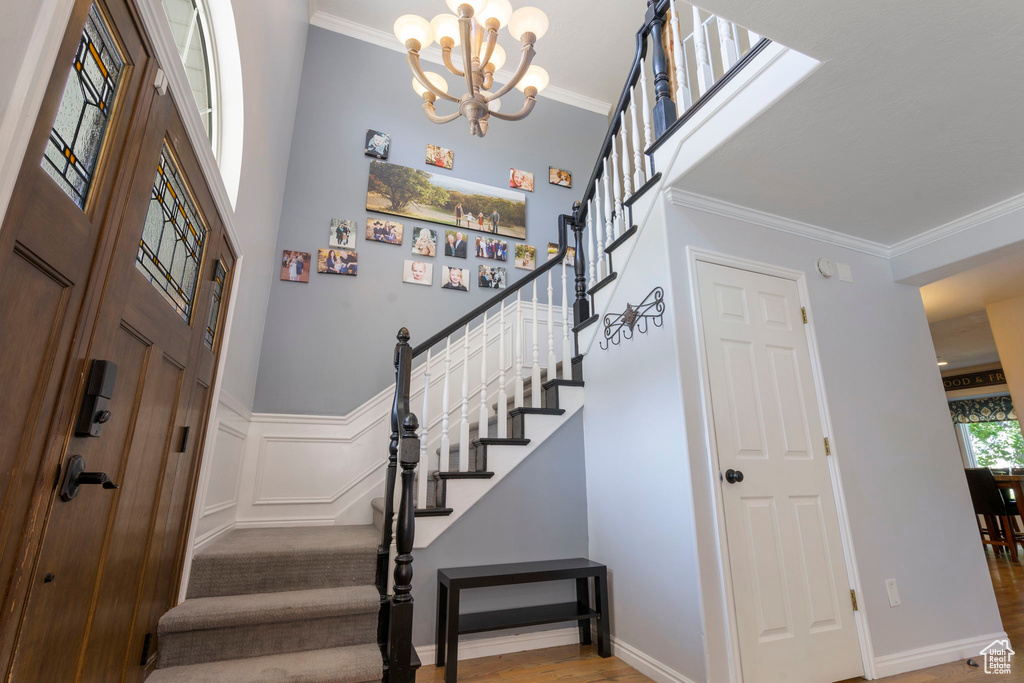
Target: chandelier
x,y
474,27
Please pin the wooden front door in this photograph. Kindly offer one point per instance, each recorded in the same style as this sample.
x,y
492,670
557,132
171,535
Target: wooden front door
x,y
791,592
112,250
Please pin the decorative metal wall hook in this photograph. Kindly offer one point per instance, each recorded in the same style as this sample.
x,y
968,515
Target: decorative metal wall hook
x,y
637,318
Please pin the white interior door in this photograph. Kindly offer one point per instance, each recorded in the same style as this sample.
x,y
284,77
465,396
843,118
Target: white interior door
x,y
794,613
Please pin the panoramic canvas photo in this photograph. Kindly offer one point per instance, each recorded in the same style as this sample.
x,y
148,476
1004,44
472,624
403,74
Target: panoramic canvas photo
x,y
415,193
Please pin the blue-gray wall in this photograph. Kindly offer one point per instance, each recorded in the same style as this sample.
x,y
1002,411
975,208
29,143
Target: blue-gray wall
x,y
327,345
537,512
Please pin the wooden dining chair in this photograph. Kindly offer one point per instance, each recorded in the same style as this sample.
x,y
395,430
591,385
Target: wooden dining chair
x,y
989,502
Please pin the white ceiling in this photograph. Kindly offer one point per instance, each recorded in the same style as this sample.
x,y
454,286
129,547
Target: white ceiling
x,y
964,341
973,289
587,53
913,120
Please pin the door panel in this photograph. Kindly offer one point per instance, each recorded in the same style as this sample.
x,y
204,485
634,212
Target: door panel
x,y
45,312
108,561
790,587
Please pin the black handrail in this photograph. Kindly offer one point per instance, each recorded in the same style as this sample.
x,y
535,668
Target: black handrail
x,y
655,11
563,248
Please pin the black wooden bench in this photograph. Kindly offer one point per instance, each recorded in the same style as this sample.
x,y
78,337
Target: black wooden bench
x,y
451,624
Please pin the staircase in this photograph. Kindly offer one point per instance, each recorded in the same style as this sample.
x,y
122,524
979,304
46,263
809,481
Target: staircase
x,y
333,604
276,605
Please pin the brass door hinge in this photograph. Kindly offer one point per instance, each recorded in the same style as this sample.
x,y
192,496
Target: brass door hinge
x,y
853,599
803,312
828,447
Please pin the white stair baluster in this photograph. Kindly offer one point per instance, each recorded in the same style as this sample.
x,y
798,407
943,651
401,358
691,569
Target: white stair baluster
x,y
627,183
520,369
683,101
638,152
464,425
705,75
617,189
566,348
424,467
645,110
535,375
484,412
502,393
727,38
444,458
592,259
609,230
552,360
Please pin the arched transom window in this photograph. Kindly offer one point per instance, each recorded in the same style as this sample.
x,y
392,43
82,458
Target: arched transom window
x,y
190,25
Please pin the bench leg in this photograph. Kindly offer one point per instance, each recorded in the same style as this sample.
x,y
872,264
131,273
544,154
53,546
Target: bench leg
x,y
583,597
451,668
604,646
442,623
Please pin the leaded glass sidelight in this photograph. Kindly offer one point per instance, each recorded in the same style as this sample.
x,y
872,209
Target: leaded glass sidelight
x,y
171,249
219,276
78,129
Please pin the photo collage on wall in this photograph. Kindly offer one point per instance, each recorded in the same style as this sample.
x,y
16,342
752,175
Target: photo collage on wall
x,y
465,207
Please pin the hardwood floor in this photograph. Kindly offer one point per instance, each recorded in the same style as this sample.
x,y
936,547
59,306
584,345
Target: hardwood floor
x,y
565,664
577,664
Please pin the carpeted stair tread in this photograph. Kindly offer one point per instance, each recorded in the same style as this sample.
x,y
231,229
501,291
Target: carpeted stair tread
x,y
352,664
284,559
260,608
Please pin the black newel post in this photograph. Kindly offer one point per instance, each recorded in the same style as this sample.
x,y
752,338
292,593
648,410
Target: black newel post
x,y
400,637
664,107
580,307
384,550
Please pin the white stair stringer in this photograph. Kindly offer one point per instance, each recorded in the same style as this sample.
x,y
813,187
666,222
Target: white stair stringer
x,y
463,494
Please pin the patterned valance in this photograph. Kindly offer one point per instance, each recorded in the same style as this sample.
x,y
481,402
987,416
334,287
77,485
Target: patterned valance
x,y
994,409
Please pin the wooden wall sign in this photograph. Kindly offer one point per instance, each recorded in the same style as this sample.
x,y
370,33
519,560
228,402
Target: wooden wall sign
x,y
974,379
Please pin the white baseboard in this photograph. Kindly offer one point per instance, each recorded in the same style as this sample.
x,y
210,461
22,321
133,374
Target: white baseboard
x,y
285,522
646,664
212,534
933,655
503,645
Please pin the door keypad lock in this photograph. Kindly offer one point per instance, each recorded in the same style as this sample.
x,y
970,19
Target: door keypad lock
x,y
76,477
99,389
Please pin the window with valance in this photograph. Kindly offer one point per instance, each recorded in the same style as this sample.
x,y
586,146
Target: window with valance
x,y
973,410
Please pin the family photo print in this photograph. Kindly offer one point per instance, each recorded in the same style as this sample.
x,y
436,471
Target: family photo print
x,y
423,195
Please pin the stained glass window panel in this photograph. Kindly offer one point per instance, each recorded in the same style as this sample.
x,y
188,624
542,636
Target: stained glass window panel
x,y
173,237
78,129
219,276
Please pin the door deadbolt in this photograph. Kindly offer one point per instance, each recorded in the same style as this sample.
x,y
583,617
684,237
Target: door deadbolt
x,y
76,476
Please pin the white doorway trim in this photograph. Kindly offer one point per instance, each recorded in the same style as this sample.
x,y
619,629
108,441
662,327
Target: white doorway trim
x,y
725,587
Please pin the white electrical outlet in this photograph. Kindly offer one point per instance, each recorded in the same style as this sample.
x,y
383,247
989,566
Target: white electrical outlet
x,y
894,593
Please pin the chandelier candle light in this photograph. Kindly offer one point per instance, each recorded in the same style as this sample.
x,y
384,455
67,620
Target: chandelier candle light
x,y
475,27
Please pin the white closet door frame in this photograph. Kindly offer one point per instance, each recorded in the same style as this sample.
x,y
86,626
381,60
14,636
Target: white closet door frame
x,y
693,255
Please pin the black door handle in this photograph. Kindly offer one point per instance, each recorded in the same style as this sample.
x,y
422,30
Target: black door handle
x,y
76,476
733,476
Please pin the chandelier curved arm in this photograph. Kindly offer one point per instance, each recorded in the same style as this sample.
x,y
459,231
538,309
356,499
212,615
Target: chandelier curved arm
x,y
525,60
488,50
446,57
417,71
428,109
466,34
528,105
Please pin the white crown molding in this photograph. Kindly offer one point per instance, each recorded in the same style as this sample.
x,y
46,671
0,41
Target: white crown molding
x,y
769,220
959,225
332,22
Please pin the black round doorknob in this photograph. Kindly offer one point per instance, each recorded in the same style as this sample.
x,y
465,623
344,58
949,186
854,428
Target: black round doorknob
x,y
733,476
